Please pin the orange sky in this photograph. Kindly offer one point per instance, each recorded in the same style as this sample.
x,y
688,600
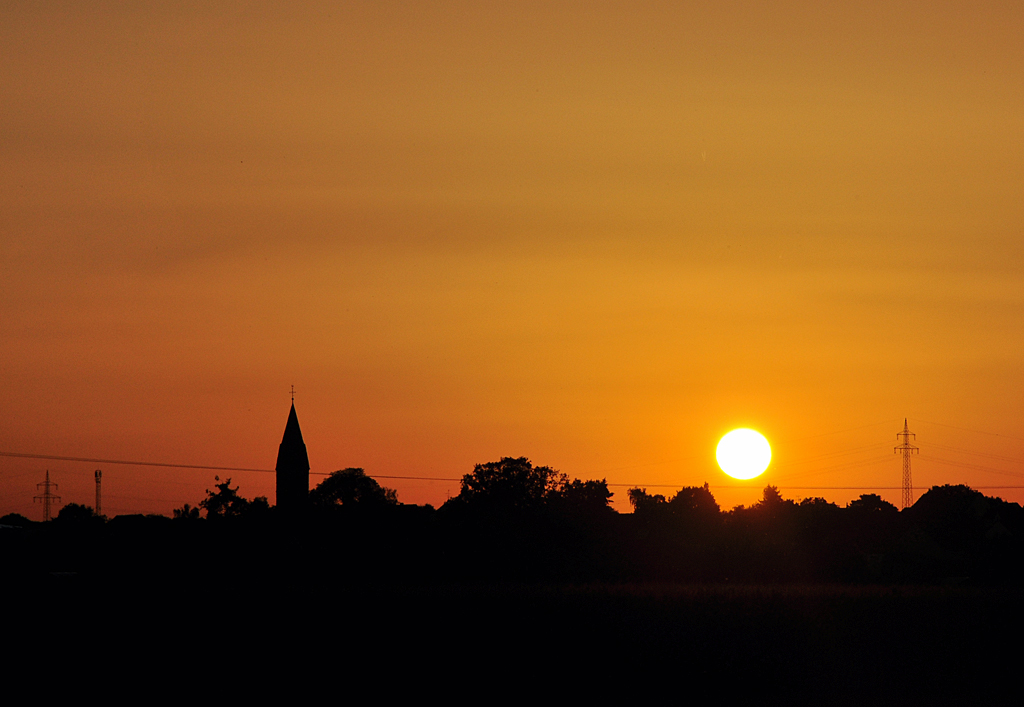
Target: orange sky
x,y
598,235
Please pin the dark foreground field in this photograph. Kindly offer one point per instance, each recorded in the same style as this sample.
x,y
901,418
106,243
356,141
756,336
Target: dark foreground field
x,y
782,603
822,644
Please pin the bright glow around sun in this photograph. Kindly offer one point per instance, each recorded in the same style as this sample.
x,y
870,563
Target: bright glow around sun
x,y
743,454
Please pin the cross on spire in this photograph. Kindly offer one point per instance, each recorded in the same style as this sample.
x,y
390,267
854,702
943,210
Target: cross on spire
x,y
293,393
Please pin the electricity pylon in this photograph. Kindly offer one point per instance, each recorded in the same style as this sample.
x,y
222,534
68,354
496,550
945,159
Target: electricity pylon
x,y
46,497
907,448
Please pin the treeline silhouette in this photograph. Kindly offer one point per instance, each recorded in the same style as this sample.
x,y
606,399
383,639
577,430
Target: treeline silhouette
x,y
514,521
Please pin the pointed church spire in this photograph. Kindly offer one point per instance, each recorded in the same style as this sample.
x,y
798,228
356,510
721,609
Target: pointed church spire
x,y
292,468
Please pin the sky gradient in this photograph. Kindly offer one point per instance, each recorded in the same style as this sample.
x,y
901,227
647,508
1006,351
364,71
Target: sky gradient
x,y
599,235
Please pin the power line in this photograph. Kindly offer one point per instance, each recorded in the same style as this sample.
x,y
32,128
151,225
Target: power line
x,y
967,429
128,463
830,455
848,429
797,439
977,467
413,478
997,457
805,488
845,488
843,466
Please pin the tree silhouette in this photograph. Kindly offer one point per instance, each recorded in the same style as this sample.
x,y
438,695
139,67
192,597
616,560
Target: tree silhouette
x,y
348,487
871,504
510,484
644,503
582,498
954,516
186,512
696,503
771,497
76,513
226,503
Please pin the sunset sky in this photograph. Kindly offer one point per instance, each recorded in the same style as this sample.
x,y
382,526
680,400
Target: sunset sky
x,y
599,235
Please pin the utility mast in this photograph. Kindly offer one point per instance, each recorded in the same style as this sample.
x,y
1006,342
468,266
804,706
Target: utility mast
x,y
46,496
907,448
98,475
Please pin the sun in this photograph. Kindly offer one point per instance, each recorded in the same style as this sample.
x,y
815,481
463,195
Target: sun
x,y
743,453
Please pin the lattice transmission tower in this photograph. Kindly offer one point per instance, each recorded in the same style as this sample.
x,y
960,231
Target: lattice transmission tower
x,y
98,475
47,497
907,448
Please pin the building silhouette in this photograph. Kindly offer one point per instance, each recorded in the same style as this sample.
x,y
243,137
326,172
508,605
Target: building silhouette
x,y
292,469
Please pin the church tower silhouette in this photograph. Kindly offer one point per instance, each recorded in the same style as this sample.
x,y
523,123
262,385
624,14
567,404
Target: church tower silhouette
x,y
292,469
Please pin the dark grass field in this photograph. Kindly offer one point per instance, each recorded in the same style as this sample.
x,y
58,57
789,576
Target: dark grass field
x,y
821,644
